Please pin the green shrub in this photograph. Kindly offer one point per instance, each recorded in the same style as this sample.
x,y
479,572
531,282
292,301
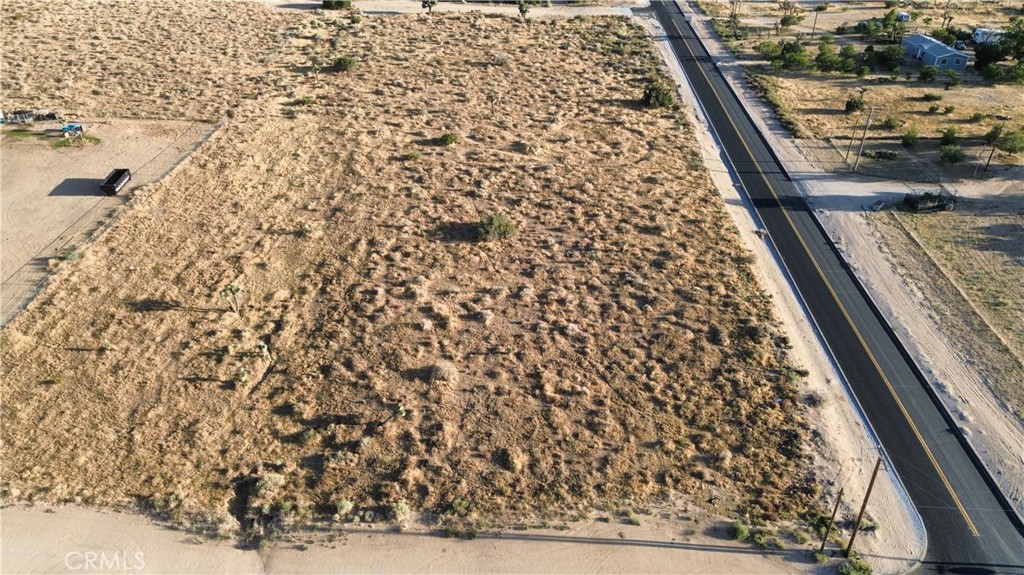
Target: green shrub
x,y
854,104
399,511
948,136
739,531
854,566
927,74
769,50
949,109
992,74
891,123
933,108
909,139
356,18
842,29
337,4
1011,141
658,95
449,139
978,116
931,97
819,557
952,154
763,538
791,20
345,63
495,227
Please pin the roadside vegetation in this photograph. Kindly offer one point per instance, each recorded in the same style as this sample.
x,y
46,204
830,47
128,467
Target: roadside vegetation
x,y
824,68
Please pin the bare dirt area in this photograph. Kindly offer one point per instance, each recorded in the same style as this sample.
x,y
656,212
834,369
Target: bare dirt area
x,y
51,197
953,298
299,320
132,544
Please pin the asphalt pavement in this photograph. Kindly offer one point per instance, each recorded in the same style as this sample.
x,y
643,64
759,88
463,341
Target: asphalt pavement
x,y
969,523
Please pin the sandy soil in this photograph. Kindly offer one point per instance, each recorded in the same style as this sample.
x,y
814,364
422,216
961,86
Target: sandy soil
x,y
918,292
63,184
380,360
655,546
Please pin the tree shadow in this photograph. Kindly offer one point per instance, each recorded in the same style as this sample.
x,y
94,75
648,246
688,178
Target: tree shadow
x,y
1005,238
149,305
627,103
823,111
457,232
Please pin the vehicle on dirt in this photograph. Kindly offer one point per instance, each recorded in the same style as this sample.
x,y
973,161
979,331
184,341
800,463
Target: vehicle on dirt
x,y
930,201
115,181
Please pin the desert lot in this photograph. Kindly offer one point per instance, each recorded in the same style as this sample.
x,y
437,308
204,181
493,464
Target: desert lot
x,y
379,358
299,323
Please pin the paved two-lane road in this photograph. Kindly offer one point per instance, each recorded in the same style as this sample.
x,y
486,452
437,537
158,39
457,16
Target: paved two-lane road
x,y
970,529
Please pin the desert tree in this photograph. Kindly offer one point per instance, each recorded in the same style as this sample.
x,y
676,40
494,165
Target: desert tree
x,y
524,7
790,14
428,5
947,19
734,15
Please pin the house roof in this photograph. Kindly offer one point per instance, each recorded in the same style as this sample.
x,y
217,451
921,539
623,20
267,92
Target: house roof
x,y
932,46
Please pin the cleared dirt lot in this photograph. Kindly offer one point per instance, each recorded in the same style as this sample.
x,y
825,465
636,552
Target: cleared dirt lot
x,y
51,198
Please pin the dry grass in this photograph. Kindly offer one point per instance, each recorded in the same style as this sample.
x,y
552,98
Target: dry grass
x,y
814,102
617,347
967,265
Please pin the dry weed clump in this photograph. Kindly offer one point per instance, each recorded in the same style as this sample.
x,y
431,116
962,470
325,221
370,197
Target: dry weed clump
x,y
123,59
618,348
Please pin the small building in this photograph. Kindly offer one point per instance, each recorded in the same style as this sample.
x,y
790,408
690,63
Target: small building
x,y
932,52
987,35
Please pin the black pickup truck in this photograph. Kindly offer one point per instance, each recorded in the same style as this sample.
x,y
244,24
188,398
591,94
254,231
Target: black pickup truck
x,y
115,181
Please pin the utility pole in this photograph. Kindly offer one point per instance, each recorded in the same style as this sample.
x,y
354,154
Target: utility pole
x,y
864,136
853,138
994,140
831,521
815,25
856,527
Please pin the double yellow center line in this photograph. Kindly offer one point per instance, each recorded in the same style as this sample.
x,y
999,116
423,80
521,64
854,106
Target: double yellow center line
x,y
835,297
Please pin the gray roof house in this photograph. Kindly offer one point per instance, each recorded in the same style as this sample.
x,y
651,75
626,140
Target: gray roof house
x,y
932,52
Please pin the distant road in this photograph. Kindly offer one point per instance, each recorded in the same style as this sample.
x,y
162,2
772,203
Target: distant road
x,y
970,527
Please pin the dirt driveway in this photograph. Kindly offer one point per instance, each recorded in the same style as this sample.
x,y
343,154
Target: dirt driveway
x,y
51,200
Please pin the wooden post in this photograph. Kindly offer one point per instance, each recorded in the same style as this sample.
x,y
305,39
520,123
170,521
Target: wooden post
x,y
856,527
831,521
993,151
853,138
864,136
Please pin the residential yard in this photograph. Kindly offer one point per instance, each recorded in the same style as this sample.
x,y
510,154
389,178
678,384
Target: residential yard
x,y
910,115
